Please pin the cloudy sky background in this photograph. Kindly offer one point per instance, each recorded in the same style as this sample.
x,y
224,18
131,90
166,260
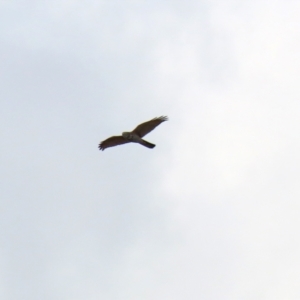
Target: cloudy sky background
x,y
212,212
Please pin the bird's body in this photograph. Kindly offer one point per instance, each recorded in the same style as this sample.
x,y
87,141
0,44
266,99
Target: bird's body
x,y
130,136
134,136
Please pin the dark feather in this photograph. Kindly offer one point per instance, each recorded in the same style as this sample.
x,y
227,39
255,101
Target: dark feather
x,y
144,128
112,141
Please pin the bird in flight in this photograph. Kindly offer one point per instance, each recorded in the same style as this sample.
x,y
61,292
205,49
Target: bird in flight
x,y
134,136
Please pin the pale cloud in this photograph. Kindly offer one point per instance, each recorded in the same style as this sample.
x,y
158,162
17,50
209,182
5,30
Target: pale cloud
x,y
212,213
237,147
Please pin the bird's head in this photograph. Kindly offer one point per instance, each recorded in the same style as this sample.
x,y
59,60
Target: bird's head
x,y
126,135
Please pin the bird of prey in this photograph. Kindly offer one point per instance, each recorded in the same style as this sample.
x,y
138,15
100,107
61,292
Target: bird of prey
x,y
134,136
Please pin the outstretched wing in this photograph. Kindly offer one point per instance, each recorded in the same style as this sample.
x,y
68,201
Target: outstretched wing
x,y
112,141
144,128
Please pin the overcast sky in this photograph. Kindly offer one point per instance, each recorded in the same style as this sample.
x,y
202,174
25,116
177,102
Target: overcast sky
x,y
213,212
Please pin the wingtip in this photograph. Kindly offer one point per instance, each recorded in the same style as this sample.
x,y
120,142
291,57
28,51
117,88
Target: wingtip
x,y
162,118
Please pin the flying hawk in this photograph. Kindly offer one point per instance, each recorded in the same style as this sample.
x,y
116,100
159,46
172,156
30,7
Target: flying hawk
x,y
135,136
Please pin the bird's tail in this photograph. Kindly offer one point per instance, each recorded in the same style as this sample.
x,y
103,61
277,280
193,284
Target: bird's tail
x,y
146,144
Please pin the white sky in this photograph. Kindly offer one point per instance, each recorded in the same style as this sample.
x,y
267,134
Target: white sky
x,y
212,212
